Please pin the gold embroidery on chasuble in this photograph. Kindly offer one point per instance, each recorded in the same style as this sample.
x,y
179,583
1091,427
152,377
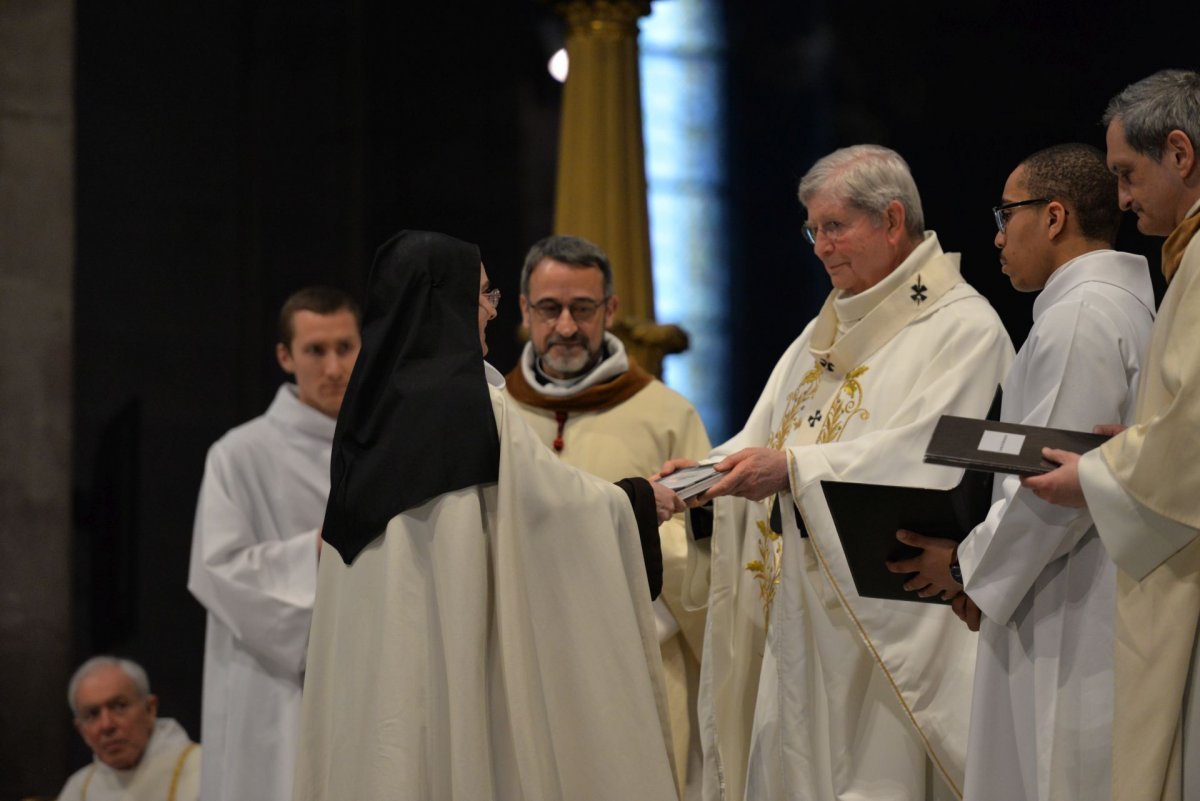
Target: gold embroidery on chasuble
x,y
846,405
767,568
794,408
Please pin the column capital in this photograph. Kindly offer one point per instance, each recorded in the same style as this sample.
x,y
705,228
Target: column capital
x,y
616,18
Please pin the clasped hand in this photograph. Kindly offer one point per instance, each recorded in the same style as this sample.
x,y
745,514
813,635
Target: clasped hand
x,y
931,567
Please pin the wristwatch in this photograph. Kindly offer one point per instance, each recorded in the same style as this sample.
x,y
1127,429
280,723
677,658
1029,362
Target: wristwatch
x,y
955,569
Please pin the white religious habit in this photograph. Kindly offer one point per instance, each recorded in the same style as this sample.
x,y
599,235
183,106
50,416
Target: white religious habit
x,y
495,642
1141,488
254,568
632,437
845,697
1041,718
169,769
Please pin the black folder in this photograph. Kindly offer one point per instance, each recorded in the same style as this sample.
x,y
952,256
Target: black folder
x,y
1002,447
867,517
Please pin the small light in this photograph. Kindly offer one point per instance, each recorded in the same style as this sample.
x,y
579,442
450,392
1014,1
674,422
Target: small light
x,y
558,66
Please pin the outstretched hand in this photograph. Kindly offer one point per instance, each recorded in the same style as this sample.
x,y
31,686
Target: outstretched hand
x,y
931,566
666,502
753,473
671,465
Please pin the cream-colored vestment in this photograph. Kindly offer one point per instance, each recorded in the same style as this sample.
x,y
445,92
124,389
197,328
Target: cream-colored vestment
x,y
496,642
845,697
1142,488
168,771
634,438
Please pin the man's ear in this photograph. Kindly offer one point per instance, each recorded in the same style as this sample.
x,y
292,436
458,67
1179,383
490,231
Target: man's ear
x,y
1180,153
523,302
894,219
610,311
152,705
1056,216
284,356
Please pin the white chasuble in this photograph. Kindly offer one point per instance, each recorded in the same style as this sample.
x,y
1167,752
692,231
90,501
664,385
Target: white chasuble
x,y
496,642
1041,718
254,568
837,699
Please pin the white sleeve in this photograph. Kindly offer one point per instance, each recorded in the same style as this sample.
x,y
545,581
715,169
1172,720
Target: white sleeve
x,y
1076,371
262,591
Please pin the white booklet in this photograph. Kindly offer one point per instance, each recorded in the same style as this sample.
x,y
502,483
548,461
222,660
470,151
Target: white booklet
x,y
690,481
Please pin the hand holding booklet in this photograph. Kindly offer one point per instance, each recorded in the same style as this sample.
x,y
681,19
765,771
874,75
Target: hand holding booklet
x,y
687,482
998,447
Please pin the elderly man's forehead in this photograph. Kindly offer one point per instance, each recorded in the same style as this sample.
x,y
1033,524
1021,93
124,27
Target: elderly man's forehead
x,y
104,682
828,202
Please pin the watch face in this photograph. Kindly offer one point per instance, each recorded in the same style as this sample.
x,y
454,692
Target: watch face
x,y
956,572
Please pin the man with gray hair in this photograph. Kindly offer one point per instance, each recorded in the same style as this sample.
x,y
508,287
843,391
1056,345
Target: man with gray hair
x,y
1141,486
137,754
601,412
810,691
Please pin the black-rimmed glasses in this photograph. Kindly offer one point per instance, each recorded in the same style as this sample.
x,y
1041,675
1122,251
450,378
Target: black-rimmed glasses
x,y
582,311
1004,211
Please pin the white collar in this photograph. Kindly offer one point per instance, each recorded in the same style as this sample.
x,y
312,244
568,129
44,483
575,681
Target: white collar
x,y
616,363
288,409
852,308
1124,270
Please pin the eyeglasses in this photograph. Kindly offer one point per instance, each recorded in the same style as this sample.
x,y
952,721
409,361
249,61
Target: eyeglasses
x,y
492,296
1004,211
582,311
833,231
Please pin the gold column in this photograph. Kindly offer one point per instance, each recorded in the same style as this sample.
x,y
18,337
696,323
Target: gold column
x,y
601,187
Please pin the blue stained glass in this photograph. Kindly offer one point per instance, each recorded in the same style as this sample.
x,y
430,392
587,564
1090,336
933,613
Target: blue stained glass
x,y
682,68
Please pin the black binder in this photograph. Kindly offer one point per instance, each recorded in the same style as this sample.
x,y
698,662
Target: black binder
x,y
1002,447
867,517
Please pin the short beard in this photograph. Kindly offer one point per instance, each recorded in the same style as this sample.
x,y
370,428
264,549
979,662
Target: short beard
x,y
570,366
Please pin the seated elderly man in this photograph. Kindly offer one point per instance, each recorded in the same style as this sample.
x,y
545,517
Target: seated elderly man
x,y
137,755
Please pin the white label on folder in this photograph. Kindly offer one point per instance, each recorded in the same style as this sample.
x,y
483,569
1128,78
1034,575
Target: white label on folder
x,y
1000,442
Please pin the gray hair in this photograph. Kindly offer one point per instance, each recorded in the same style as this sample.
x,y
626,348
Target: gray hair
x,y
868,177
573,250
132,669
1153,107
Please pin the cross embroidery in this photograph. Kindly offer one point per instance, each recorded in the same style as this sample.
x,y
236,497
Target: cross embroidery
x,y
918,289
827,365
814,418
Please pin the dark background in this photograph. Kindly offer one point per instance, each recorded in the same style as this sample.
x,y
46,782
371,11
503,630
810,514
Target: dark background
x,y
231,152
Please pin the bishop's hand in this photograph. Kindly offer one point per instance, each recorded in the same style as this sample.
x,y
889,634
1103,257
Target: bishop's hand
x,y
753,473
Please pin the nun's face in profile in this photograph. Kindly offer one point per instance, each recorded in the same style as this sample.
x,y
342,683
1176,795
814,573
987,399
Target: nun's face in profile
x,y
487,308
